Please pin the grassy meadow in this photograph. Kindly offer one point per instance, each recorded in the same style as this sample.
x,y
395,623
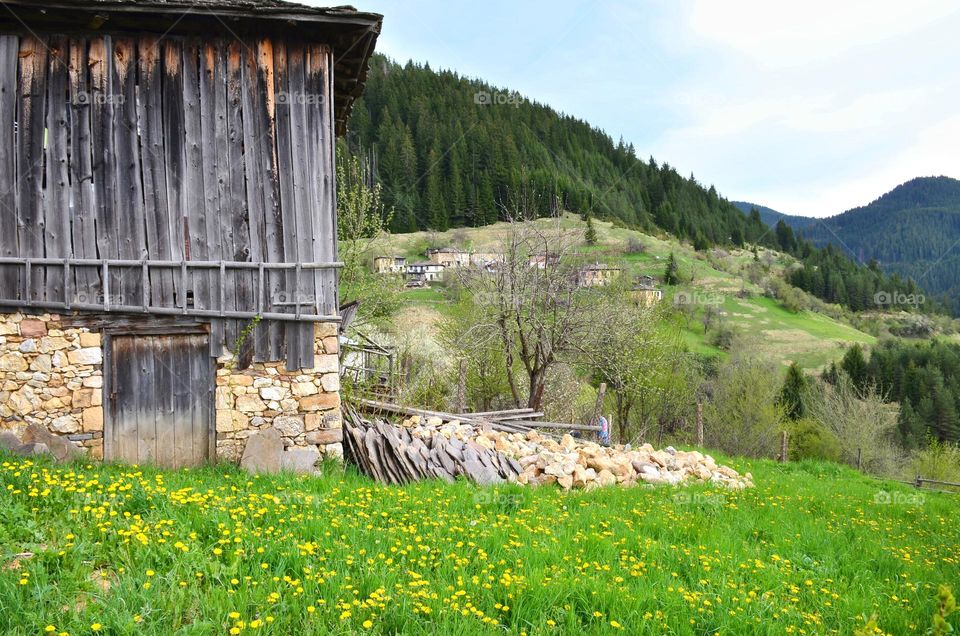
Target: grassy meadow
x,y
813,549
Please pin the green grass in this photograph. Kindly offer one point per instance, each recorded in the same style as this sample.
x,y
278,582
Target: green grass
x,y
813,547
424,295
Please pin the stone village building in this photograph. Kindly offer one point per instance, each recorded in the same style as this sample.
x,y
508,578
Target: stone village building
x,y
168,256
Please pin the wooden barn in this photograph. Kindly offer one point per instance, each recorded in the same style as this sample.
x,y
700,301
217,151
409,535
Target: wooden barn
x,y
168,254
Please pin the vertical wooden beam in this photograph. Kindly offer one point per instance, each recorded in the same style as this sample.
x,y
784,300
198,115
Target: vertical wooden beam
x,y
56,236
157,208
322,151
128,194
235,216
174,156
273,237
212,79
9,57
194,176
30,152
101,101
83,193
260,193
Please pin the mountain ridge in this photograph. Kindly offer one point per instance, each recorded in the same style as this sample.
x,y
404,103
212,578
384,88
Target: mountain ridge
x,y
913,231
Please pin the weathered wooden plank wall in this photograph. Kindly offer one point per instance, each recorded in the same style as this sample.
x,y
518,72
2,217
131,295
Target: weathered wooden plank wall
x,y
133,147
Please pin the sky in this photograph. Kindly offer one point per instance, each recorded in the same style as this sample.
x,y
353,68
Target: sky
x,y
807,107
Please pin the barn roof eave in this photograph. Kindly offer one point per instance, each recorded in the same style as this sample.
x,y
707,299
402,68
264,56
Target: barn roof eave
x,y
351,34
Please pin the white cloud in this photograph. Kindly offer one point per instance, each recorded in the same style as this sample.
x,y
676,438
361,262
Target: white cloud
x,y
784,34
816,107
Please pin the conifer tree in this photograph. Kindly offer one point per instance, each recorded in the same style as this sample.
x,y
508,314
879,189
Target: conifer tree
x,y
671,275
793,393
590,236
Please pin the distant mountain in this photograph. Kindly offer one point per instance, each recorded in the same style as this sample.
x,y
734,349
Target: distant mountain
x,y
770,216
913,231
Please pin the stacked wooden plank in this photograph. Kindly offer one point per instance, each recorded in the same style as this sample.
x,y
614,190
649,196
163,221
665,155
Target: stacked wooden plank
x,y
391,455
509,421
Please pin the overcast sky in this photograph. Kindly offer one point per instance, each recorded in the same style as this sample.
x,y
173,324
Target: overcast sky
x,y
808,107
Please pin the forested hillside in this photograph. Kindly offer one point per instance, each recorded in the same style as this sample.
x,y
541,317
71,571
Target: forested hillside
x,y
770,216
912,231
449,149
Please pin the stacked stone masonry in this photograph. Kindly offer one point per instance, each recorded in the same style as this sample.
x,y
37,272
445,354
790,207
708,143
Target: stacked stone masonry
x,y
301,404
53,376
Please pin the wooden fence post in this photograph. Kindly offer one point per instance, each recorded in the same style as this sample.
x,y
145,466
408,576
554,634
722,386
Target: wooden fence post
x,y
700,424
461,398
859,458
783,447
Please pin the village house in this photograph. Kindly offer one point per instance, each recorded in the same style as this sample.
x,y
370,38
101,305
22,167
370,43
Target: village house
x,y
390,265
645,292
426,271
448,256
597,274
168,240
485,260
543,259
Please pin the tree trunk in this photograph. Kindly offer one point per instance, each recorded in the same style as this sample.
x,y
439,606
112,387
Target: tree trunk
x,y
537,386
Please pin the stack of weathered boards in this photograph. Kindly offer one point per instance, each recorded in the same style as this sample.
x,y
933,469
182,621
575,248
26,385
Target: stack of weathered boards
x,y
392,455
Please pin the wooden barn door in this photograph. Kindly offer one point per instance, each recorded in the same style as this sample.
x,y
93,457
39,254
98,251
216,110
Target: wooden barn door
x,y
160,400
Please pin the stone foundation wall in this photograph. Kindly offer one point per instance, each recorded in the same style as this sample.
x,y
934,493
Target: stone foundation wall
x,y
51,376
303,405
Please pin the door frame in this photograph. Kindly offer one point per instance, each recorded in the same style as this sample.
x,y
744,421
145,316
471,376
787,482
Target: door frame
x,y
126,330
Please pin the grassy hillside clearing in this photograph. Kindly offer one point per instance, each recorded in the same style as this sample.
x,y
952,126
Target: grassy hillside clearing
x,y
811,339
814,548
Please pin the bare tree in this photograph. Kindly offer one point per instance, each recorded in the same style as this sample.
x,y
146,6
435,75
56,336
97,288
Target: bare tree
x,y
530,301
862,421
642,361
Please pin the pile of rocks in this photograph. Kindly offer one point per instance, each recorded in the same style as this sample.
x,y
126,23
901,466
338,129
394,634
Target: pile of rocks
x,y
573,463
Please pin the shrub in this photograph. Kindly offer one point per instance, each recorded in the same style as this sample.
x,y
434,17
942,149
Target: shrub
x,y
724,337
811,440
634,246
939,460
742,416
